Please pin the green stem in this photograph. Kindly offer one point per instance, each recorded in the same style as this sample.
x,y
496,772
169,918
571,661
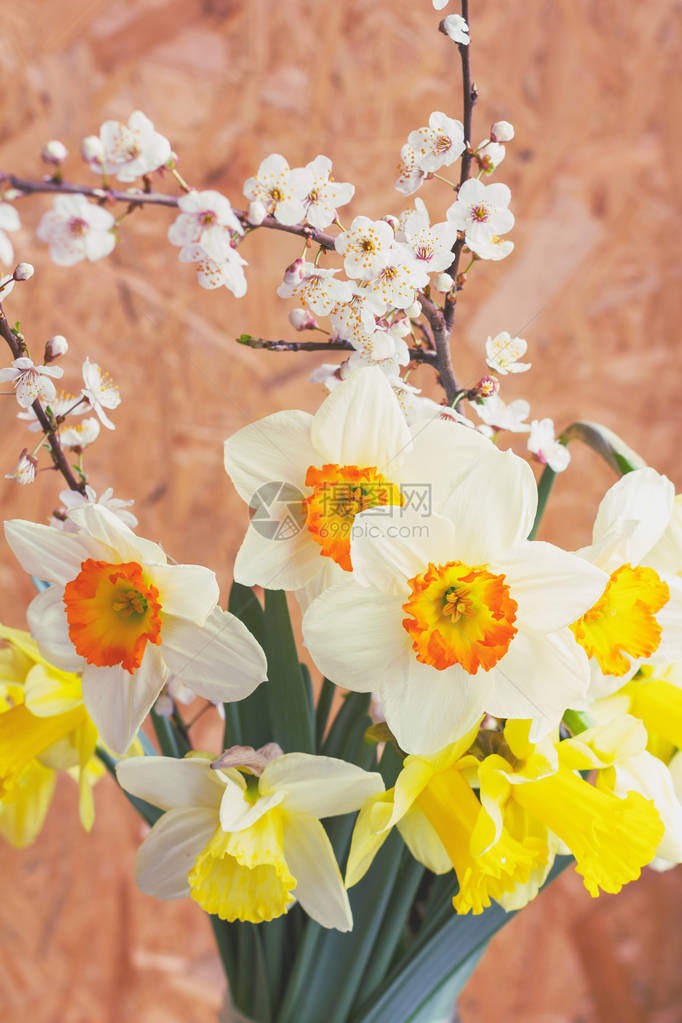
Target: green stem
x,y
544,488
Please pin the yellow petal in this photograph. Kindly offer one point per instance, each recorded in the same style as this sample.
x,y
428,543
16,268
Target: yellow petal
x,y
23,817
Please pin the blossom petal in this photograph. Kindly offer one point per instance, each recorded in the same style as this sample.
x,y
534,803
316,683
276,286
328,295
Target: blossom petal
x,y
277,448
46,616
220,660
118,701
311,860
320,786
361,423
171,783
170,850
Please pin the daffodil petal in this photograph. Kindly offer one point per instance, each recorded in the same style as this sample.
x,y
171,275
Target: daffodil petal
x,y
186,591
170,850
106,528
170,783
421,838
118,701
46,617
319,786
48,553
390,546
285,564
643,496
311,860
276,448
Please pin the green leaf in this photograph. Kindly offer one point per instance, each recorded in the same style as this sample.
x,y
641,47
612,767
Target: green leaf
x,y
291,718
352,711
607,444
149,813
250,988
324,706
544,488
247,723
169,739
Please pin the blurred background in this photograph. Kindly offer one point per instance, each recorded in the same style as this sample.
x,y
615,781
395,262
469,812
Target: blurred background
x,y
592,285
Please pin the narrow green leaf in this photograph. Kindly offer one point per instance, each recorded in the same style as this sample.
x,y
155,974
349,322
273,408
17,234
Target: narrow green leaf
x,y
250,989
169,739
544,489
247,723
149,813
607,444
291,717
353,709
225,942
272,937
324,706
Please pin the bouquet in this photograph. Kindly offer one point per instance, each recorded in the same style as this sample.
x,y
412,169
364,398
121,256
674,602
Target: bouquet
x,y
467,710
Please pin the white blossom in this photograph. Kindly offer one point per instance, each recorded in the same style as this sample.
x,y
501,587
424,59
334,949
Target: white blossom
x,y
491,154
203,214
92,151
256,213
397,281
365,247
481,211
76,229
324,194
131,150
455,27
430,245
543,444
79,435
74,499
25,471
31,381
494,412
302,319
503,352
317,290
442,282
218,265
410,174
23,272
440,4
280,189
59,405
100,391
491,248
502,131
9,221
440,144
6,286
54,152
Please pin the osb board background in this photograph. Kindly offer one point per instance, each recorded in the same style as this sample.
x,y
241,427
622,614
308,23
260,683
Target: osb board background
x,y
591,285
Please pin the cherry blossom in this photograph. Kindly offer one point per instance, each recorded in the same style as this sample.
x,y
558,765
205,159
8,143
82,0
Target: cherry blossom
x,y
25,471
74,499
440,144
481,210
76,229
365,247
547,449
494,412
317,290
280,189
202,215
59,405
54,153
430,245
353,320
9,221
410,174
80,435
397,281
100,391
502,131
491,248
325,194
440,4
218,265
491,154
503,352
455,27
132,150
30,381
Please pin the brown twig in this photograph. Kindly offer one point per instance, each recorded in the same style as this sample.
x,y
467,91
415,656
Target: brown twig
x,y
335,345
103,195
58,456
441,358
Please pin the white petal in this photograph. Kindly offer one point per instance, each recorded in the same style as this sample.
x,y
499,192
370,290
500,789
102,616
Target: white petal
x,y
237,813
361,423
48,553
170,850
278,564
670,620
390,546
355,635
106,527
539,677
277,448
650,776
319,786
319,886
552,588
220,661
170,783
187,591
442,455
46,616
423,841
643,496
118,702
427,709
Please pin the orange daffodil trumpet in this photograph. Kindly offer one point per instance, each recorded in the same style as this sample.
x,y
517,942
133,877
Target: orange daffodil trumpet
x,y
242,835
357,452
118,613
637,539
458,614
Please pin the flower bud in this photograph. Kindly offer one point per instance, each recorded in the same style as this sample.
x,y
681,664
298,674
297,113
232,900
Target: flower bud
x,y
487,387
442,282
295,272
414,311
456,28
23,272
92,149
25,471
302,319
256,213
56,346
502,131
54,152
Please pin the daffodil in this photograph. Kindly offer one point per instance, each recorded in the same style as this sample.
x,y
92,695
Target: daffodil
x,y
120,614
307,477
44,727
611,838
436,811
458,614
639,614
242,835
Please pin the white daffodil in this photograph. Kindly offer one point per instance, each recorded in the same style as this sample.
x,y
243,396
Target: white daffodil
x,y
9,221
458,614
130,150
639,614
120,614
31,382
202,213
544,445
410,174
100,391
324,195
280,189
365,247
431,245
502,353
438,145
242,835
481,211
306,478
76,229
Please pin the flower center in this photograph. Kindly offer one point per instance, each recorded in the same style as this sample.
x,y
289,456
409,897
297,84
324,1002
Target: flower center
x,y
113,612
276,194
340,492
479,214
78,226
460,615
622,621
443,143
206,218
368,245
424,251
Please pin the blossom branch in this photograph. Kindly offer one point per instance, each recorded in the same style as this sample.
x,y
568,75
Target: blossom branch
x,y
58,457
334,345
442,358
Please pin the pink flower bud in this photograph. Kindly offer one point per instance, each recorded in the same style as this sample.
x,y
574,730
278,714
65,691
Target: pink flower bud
x,y
502,131
54,152
25,471
256,213
295,272
302,319
92,149
56,346
23,272
488,387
